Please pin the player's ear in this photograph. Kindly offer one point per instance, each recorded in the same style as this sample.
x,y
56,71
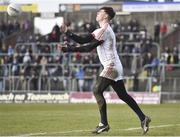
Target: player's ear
x,y
106,16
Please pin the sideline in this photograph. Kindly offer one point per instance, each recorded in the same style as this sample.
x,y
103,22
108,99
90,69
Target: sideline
x,y
79,131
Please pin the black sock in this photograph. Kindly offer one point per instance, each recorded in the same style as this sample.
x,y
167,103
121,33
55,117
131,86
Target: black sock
x,y
100,86
121,92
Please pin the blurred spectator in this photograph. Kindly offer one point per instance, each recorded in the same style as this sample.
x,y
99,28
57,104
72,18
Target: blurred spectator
x,y
4,49
31,39
80,78
10,27
88,82
163,29
15,66
143,33
73,72
6,66
134,64
10,50
44,73
147,45
27,58
147,60
136,48
154,67
157,32
10,53
20,39
16,26
54,36
26,25
95,59
86,60
1,78
78,57
135,82
26,72
175,55
35,76
167,53
2,35
3,27
66,74
133,25
114,26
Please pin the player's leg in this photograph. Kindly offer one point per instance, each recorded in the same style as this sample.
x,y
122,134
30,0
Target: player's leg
x,y
101,85
122,93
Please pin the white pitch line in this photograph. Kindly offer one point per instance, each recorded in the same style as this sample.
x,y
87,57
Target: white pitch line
x,y
65,132
151,127
71,131
79,131
33,134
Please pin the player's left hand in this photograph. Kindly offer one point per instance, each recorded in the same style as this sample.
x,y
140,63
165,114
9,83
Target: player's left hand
x,y
64,48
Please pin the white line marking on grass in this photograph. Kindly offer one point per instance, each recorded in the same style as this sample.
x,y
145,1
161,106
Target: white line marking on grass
x,y
34,134
71,131
51,133
151,127
86,130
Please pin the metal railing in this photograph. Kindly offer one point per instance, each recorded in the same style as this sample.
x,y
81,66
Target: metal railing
x,y
167,79
65,84
14,82
59,77
57,80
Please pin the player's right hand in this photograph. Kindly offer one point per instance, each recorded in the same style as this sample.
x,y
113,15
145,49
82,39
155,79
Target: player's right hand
x,y
63,28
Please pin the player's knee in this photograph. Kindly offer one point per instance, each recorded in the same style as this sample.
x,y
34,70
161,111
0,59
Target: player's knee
x,y
96,91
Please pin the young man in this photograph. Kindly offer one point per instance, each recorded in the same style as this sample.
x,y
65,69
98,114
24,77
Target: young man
x,y
112,73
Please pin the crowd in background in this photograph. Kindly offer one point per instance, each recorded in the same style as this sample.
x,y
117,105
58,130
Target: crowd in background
x,y
38,56
10,27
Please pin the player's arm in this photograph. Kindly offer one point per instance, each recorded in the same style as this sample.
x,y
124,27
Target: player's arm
x,y
80,39
87,48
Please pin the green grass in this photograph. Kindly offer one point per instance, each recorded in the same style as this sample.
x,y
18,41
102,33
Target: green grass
x,y
79,119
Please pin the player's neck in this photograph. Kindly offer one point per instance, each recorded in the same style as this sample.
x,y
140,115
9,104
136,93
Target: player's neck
x,y
103,22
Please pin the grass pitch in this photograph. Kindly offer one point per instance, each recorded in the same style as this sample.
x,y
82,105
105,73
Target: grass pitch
x,y
80,119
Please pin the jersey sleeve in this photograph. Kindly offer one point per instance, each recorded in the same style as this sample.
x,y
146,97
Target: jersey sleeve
x,y
98,33
87,48
80,39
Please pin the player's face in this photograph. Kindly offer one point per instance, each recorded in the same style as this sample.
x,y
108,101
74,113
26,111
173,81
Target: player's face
x,y
101,15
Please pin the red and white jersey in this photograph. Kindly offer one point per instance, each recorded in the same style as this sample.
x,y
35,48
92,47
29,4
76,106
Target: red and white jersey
x,y
107,53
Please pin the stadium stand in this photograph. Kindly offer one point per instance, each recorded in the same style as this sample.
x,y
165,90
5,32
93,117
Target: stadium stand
x,y
33,63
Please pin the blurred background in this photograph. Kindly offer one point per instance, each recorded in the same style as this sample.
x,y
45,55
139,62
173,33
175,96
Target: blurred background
x,y
148,43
